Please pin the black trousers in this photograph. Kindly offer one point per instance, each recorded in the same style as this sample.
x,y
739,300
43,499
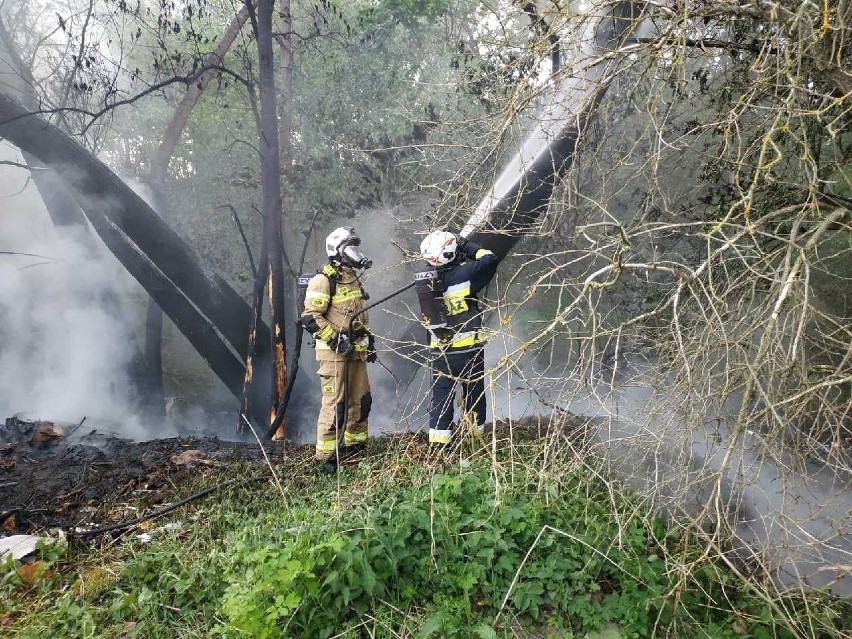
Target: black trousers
x,y
450,369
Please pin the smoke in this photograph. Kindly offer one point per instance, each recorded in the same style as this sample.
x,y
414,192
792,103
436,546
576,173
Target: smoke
x,y
65,341
401,395
788,512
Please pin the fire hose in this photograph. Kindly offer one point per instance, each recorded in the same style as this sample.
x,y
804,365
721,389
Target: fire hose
x,y
166,509
282,407
278,417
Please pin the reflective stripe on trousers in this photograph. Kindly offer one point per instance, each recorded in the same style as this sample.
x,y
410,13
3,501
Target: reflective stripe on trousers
x,y
449,370
334,420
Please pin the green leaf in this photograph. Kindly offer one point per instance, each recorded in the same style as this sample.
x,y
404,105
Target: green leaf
x,y
484,631
430,627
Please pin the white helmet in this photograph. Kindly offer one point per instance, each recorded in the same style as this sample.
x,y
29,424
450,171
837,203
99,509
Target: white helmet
x,y
439,248
340,237
341,245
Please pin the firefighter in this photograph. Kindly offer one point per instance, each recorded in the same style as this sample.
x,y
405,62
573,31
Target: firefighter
x,y
344,346
457,269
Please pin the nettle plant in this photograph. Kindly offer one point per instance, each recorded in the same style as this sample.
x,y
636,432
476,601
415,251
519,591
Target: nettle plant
x,y
458,559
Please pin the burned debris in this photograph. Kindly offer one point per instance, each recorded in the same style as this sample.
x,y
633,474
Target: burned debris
x,y
73,476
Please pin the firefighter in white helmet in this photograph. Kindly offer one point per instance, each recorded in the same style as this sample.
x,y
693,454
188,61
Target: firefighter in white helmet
x,y
456,270
343,348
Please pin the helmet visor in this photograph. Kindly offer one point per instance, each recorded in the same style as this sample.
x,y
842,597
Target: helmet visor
x,y
353,256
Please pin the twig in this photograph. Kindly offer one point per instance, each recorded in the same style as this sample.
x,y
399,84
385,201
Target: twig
x,y
265,456
243,236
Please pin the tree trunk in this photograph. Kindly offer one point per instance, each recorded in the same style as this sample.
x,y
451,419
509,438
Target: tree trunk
x,y
522,191
285,128
153,357
174,130
249,381
272,205
285,132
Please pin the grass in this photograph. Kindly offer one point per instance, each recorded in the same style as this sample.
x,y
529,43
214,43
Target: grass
x,y
488,544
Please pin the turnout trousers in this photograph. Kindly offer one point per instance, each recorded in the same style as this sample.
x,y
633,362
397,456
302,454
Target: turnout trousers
x,y
334,419
449,370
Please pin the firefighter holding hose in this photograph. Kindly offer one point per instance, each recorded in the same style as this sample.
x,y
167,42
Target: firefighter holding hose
x,y
334,302
455,270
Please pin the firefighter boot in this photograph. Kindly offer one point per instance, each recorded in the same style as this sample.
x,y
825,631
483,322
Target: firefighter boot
x,y
329,466
351,452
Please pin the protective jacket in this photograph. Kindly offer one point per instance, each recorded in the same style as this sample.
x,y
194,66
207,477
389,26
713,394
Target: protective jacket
x,y
461,281
332,299
457,349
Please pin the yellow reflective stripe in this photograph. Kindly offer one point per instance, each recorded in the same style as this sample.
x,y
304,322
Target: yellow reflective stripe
x,y
354,438
460,340
325,332
482,253
316,295
440,436
345,296
465,341
468,341
326,446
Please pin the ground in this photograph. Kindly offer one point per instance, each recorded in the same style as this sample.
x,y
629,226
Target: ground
x,y
76,478
51,477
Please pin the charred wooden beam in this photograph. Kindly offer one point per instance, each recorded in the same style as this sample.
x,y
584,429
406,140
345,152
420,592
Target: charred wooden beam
x,y
198,330
203,306
99,191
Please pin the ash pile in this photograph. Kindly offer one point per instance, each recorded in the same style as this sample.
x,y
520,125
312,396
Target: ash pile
x,y
61,475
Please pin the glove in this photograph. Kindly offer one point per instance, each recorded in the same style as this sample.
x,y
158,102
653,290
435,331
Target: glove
x,y
372,356
443,334
340,343
467,248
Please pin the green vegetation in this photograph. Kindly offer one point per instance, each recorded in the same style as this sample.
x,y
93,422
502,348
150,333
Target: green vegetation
x,y
405,547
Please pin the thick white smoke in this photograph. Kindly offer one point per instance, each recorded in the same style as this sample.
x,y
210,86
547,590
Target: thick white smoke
x,y
65,345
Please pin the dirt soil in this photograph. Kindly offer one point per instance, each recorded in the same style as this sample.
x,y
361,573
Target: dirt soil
x,y
75,478
53,476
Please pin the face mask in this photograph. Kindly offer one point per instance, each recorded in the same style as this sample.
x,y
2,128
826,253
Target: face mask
x,y
353,256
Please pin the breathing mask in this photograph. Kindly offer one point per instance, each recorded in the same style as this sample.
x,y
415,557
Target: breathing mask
x,y
352,256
